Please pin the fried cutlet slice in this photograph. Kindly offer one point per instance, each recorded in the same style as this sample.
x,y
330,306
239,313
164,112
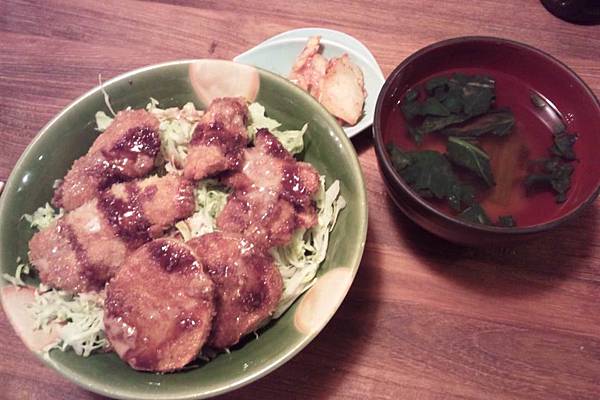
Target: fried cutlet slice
x,y
141,210
159,307
248,285
266,221
219,139
85,248
273,194
124,151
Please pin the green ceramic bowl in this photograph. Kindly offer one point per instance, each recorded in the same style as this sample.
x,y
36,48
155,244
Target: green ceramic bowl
x,y
70,134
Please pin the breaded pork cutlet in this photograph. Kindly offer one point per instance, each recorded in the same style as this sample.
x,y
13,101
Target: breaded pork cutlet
x,y
159,307
84,249
248,285
273,194
219,139
124,151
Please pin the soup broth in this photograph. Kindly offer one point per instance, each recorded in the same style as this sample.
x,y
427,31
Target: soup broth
x,y
510,156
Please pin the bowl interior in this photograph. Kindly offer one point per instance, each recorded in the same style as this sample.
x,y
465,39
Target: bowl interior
x,y
519,70
69,136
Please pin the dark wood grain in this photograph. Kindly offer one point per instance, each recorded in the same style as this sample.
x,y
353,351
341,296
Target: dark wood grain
x,y
424,319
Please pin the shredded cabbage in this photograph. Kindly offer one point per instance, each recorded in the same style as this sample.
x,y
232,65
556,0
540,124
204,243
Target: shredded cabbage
x,y
176,129
102,121
17,280
210,201
106,96
292,140
299,261
77,318
42,217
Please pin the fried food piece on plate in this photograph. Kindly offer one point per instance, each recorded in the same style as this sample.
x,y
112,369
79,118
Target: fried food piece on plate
x,y
84,249
337,83
310,67
124,151
159,307
248,285
342,90
273,194
219,139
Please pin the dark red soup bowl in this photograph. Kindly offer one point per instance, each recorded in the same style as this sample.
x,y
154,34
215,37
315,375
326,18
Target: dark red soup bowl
x,y
519,71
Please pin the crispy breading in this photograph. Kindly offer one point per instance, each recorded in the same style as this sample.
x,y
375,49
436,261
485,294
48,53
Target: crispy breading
x,y
84,249
159,307
124,151
248,285
273,194
218,140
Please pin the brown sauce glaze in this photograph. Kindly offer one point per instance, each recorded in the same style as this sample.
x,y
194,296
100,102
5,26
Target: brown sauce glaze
x,y
216,134
254,297
107,173
172,258
126,217
186,323
252,300
294,189
149,192
89,271
138,140
273,146
209,133
119,161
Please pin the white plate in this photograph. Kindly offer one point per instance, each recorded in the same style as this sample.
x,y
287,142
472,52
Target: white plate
x,y
277,54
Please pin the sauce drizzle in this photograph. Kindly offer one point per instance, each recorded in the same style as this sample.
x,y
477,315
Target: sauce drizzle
x,y
126,216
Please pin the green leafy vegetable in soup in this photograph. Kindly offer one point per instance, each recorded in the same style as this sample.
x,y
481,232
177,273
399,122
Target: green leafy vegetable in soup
x,y
496,122
430,174
506,221
563,145
475,214
449,101
460,111
555,172
552,173
468,155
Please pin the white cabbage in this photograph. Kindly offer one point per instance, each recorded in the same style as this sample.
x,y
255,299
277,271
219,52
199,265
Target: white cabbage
x,y
292,140
43,217
79,318
300,260
210,201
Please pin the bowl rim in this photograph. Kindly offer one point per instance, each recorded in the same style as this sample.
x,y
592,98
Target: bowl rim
x,y
101,387
386,163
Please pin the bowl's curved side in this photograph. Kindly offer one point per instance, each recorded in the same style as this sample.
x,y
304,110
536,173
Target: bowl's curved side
x,y
327,148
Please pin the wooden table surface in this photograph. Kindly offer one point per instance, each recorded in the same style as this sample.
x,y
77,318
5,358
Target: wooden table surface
x,y
424,319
